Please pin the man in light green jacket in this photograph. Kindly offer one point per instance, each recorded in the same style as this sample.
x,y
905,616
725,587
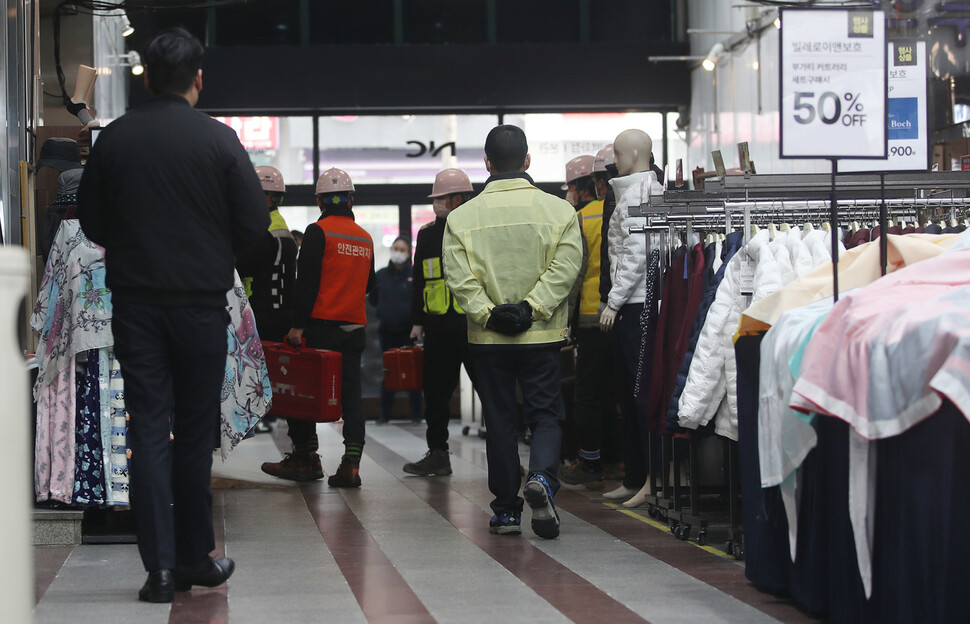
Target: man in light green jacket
x,y
511,256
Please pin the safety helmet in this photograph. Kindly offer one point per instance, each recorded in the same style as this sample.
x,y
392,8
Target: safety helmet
x,y
578,167
603,157
449,181
334,181
271,179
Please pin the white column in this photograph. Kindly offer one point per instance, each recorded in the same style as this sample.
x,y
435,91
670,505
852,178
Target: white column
x,y
16,554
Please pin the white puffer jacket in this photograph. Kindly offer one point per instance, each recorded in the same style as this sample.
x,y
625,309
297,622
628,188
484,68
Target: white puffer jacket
x,y
711,386
629,252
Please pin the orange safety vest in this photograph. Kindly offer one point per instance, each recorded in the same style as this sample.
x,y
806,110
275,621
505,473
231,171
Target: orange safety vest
x,y
347,261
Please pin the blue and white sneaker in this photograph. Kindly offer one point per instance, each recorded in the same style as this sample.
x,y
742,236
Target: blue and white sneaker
x,y
506,523
545,518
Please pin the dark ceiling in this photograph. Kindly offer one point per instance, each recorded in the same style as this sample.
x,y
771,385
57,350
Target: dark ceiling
x,y
340,56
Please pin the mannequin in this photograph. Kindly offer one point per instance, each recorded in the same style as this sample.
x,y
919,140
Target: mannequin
x,y
631,151
628,255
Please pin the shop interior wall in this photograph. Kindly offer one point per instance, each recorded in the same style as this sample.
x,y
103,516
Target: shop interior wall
x,y
726,107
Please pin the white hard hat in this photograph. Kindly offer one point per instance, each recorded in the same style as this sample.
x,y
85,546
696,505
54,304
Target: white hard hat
x,y
334,181
603,157
271,179
450,181
578,167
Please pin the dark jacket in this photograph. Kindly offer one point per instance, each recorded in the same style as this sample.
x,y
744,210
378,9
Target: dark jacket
x,y
269,269
391,296
606,282
429,247
171,195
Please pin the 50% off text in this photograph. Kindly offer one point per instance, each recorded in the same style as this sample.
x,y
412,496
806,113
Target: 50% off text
x,y
829,109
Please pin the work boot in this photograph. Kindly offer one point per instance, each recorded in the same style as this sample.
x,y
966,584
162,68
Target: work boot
x,y
436,462
295,467
347,475
583,472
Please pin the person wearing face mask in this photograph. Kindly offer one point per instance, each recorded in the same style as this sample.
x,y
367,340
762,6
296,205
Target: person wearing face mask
x,y
440,323
392,298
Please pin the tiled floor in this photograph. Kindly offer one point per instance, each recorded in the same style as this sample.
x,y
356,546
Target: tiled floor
x,y
409,549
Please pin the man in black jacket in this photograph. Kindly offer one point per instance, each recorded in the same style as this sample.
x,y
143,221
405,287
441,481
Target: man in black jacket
x,y
440,323
172,197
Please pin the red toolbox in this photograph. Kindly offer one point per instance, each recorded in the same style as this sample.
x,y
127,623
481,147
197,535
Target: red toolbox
x,y
306,382
404,369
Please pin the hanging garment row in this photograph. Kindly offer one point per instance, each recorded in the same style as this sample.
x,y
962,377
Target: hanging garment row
x,y
843,533
81,453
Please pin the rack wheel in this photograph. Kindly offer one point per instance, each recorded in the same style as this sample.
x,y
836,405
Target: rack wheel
x,y
674,527
481,433
729,547
738,551
684,532
702,537
465,430
652,511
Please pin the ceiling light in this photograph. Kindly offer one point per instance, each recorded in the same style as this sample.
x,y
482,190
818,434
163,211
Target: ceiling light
x,y
710,62
126,28
133,60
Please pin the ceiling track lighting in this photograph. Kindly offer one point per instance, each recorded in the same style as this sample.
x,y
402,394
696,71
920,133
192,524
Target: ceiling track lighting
x,y
133,59
710,62
126,28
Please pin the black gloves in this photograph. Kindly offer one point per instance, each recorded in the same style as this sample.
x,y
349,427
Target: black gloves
x,y
510,319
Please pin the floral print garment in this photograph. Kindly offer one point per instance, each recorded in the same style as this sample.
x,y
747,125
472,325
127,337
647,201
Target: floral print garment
x,y
73,309
89,466
246,393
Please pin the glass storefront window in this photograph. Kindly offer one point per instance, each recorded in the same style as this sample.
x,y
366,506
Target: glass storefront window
x,y
384,225
420,215
404,149
282,142
557,138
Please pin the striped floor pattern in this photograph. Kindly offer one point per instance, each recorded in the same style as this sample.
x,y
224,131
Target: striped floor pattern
x,y
406,549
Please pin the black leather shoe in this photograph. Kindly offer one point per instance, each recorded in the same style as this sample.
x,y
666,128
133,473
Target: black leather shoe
x,y
159,587
208,573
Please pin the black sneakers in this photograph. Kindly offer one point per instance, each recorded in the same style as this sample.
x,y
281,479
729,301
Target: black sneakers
x,y
545,518
436,462
506,523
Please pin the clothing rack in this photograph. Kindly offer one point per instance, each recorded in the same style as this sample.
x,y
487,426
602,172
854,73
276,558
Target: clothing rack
x,y
751,199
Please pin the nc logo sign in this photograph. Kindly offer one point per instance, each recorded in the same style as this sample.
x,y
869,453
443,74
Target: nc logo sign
x,y
429,149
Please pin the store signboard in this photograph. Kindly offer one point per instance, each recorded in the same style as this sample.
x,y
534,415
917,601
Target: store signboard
x,y
255,133
907,124
833,84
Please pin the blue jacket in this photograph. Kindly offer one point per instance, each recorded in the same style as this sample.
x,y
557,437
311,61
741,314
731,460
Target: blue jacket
x,y
732,244
391,296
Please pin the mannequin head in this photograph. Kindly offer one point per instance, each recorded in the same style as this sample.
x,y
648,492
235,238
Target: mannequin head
x,y
631,149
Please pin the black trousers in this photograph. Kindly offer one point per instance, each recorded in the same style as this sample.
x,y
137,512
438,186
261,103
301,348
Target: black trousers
x,y
303,433
394,340
444,353
538,372
173,361
595,402
626,341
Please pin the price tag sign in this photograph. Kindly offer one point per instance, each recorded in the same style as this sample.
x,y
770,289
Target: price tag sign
x,y
833,83
907,123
